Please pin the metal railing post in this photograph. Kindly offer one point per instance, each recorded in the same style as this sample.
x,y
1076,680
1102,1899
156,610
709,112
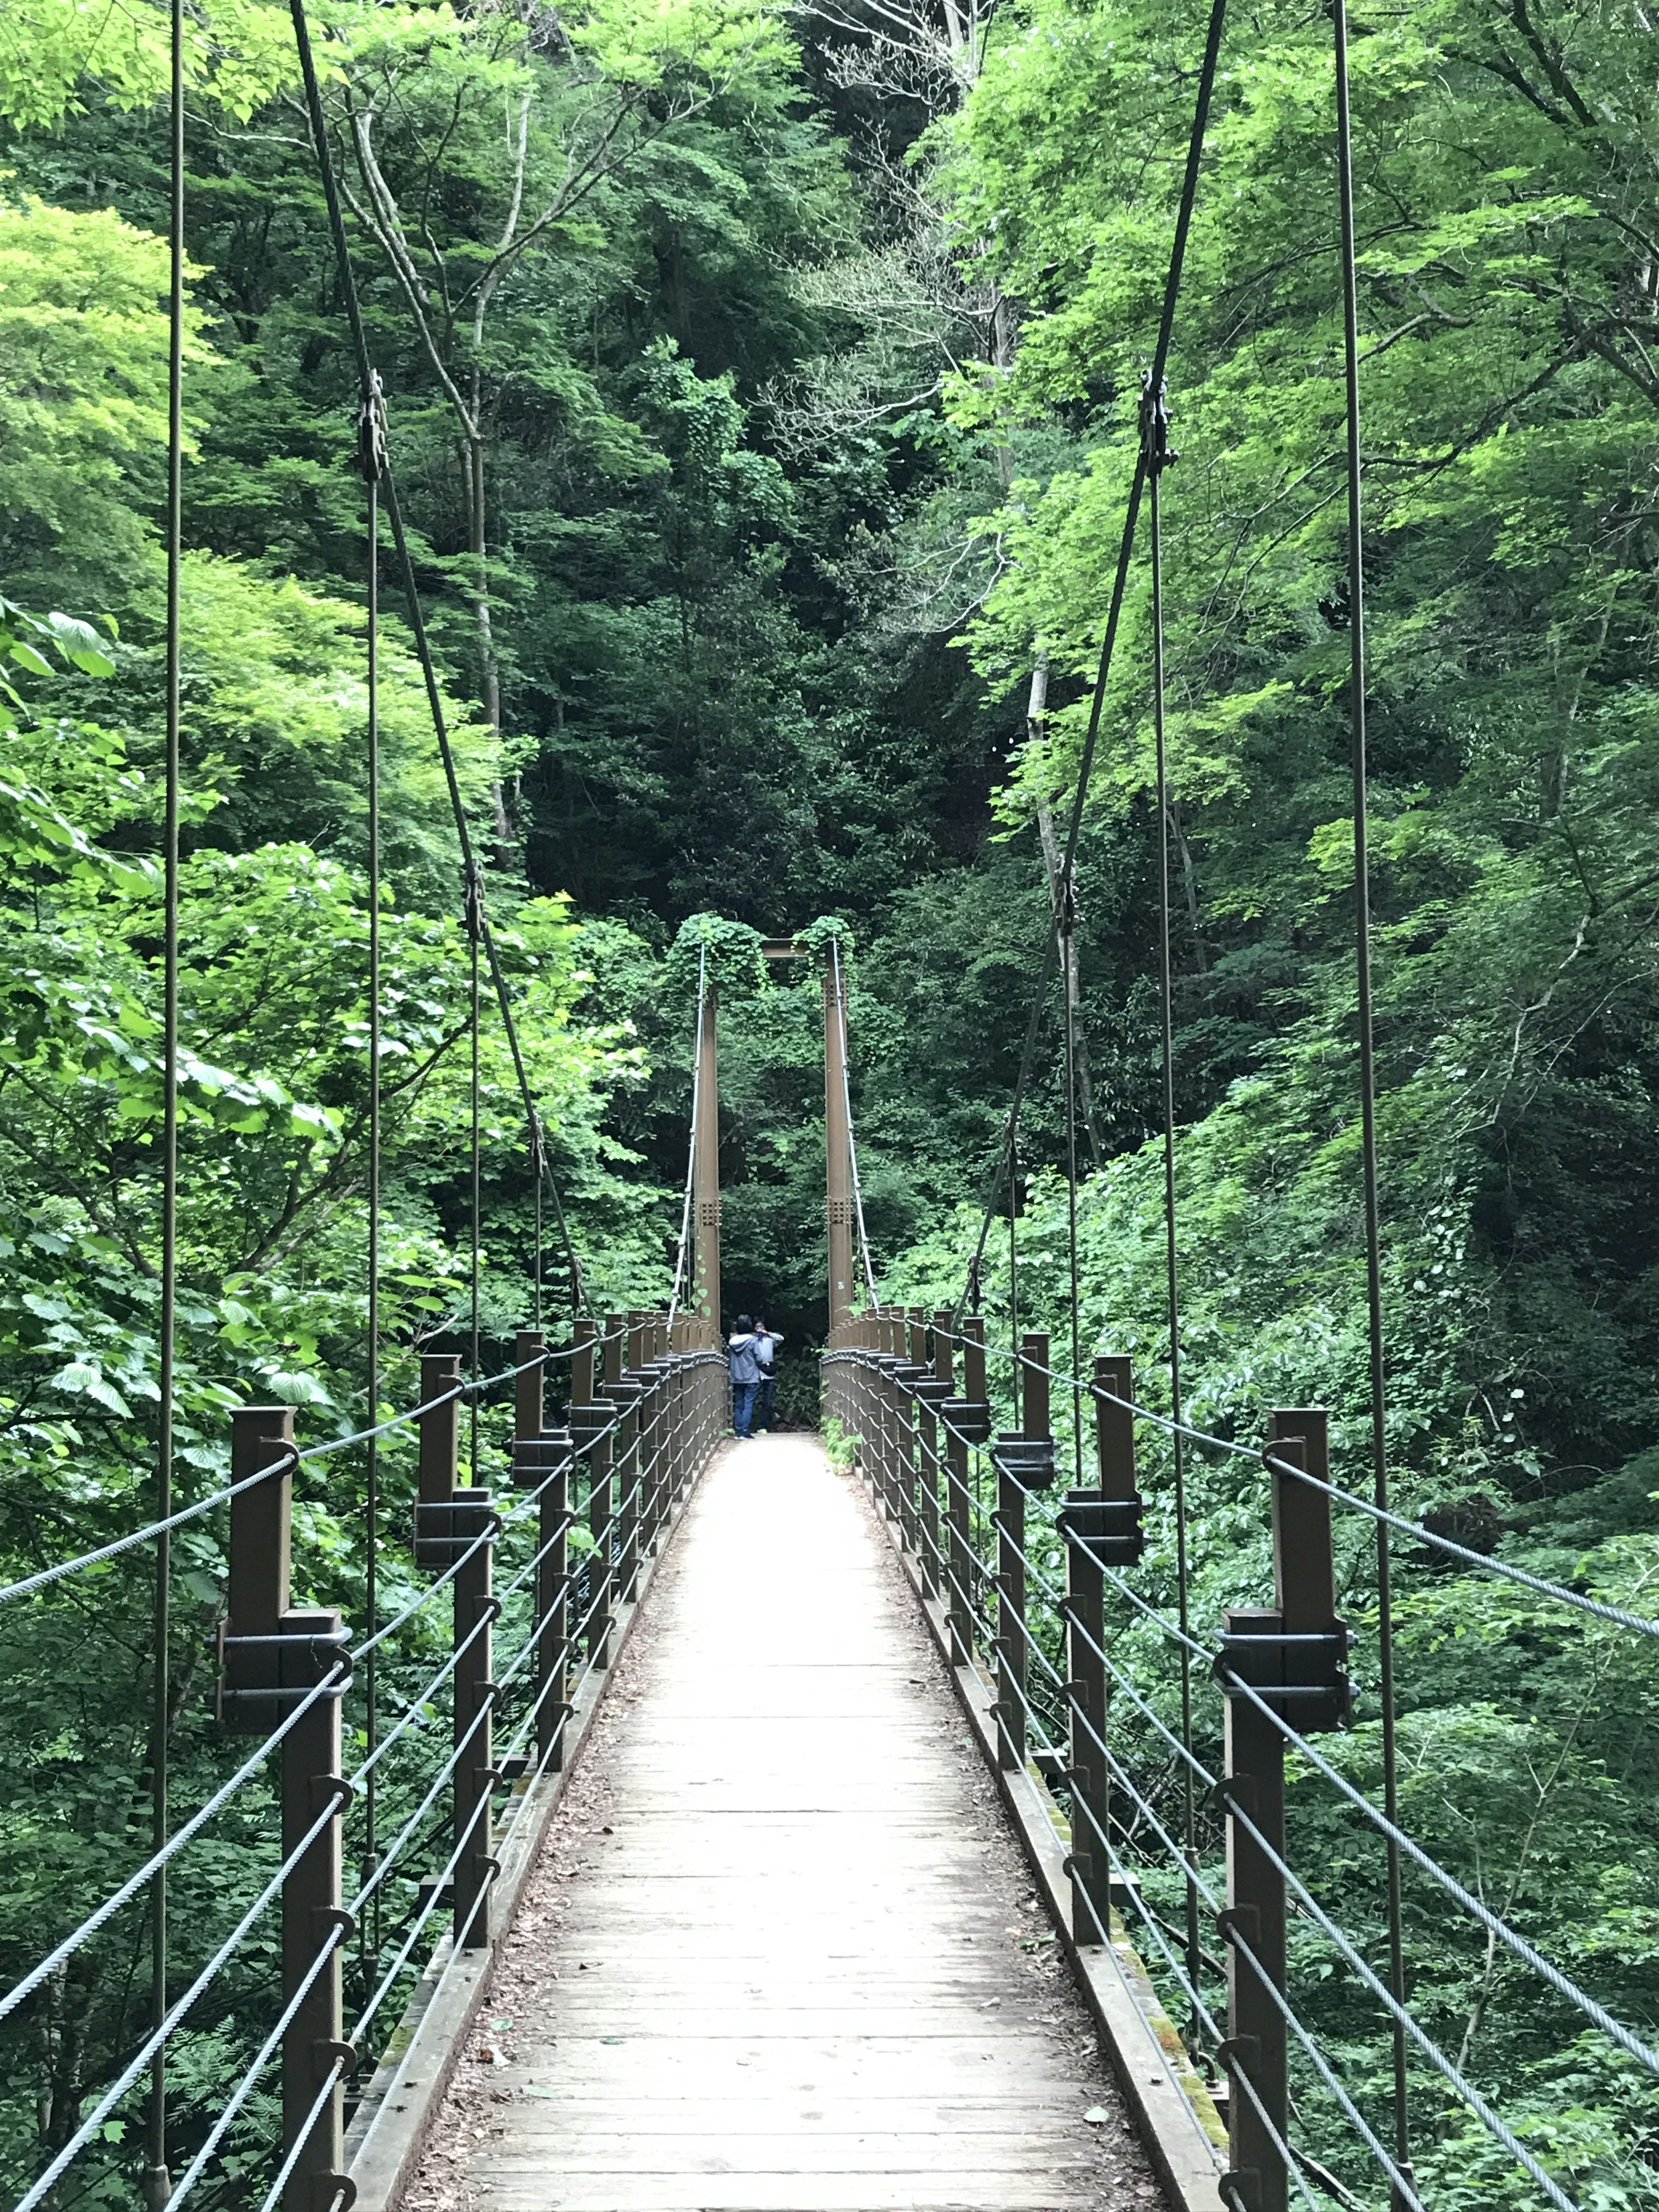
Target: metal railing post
x,y
876,1377
610,1466
931,1392
271,1654
1013,1478
1094,1540
542,1460
1292,1655
529,1385
668,1369
633,1395
438,1462
473,1517
967,1418
448,1522
913,1350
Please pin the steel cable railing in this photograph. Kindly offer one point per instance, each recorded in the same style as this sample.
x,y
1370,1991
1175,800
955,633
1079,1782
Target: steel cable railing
x,y
1504,1570
659,1432
93,2124
136,1881
46,1575
913,1445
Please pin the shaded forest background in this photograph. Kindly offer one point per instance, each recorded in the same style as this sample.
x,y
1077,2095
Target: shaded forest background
x,y
762,392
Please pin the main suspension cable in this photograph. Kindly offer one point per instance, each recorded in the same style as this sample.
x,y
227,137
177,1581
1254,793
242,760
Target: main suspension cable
x,y
1156,456
1063,889
318,124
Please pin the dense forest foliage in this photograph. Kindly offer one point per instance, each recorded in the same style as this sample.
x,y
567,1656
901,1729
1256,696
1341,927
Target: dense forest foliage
x,y
763,389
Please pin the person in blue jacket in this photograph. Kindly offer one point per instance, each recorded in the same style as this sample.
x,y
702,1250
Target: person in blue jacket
x,y
745,1369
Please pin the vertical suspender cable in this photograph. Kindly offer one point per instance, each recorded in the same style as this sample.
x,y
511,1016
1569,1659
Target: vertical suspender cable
x,y
1156,456
852,1141
371,450
474,918
1017,1374
1367,1060
1067,950
319,124
157,2181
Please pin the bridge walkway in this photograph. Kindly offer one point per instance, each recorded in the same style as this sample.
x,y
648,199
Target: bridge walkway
x,y
780,1954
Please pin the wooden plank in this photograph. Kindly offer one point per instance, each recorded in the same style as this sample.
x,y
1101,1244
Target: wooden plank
x,y
944,2191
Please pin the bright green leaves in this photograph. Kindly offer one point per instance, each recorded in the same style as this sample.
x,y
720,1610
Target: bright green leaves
x,y
83,339
37,644
722,42
54,53
32,832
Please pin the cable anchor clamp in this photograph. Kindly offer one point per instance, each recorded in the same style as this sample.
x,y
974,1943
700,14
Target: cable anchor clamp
x,y
1155,449
372,456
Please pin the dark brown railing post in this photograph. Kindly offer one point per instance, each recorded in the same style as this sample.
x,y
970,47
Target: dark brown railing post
x,y
931,1392
610,1468
449,1522
474,1519
1293,1657
670,1430
969,1419
272,1653
542,1460
1016,1472
898,1420
1099,1528
662,1479
439,1434
630,1395
892,1337
876,1372
863,1327
911,1333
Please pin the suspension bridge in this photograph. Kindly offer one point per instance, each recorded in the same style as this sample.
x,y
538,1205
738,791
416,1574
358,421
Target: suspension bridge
x,y
859,1893
779,1826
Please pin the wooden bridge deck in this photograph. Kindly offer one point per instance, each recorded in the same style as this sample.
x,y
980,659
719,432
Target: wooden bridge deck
x,y
775,1959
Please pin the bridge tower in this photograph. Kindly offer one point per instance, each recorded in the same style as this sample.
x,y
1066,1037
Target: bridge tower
x,y
838,1162
706,1175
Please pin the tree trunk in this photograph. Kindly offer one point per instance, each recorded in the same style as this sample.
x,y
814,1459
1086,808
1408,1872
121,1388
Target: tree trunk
x,y
490,667
1034,711
1189,886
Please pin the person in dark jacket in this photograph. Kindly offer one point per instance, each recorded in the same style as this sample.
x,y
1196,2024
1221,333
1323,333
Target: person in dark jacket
x,y
765,1340
746,1369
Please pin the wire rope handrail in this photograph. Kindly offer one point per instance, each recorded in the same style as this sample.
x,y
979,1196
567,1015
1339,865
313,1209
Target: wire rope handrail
x,y
181,2006
1504,1570
176,1843
476,1387
1633,2045
656,1446
898,1458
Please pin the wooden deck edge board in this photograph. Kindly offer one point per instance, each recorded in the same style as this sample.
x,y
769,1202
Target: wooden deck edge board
x,y
1182,2152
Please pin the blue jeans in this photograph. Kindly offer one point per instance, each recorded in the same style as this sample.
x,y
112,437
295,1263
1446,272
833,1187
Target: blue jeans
x,y
743,1408
769,1384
